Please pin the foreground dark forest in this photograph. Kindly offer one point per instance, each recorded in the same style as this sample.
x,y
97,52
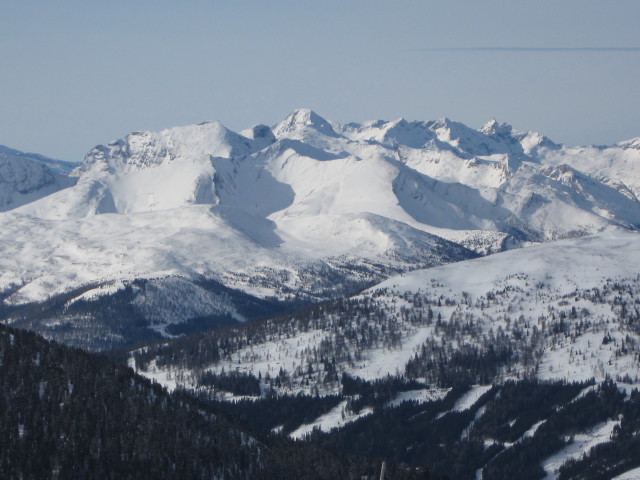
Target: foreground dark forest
x,y
70,414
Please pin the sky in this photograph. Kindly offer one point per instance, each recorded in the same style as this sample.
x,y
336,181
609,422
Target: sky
x,y
77,73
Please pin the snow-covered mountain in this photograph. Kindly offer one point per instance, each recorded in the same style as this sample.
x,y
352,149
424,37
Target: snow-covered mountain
x,y
307,208
26,177
616,165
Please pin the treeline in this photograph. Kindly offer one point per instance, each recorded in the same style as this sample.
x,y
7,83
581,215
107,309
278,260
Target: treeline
x,y
562,421
277,414
376,393
234,382
456,356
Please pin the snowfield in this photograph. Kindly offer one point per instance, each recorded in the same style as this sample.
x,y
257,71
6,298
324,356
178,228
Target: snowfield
x,y
580,445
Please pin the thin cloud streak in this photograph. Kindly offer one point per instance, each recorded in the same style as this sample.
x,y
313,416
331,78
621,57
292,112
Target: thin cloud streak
x,y
529,49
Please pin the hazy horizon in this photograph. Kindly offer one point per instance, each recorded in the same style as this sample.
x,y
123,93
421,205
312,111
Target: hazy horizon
x,y
77,74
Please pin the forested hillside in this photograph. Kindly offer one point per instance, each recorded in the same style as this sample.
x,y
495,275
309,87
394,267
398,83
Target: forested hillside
x,y
70,414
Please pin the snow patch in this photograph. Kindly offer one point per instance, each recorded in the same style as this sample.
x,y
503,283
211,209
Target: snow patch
x,y
338,417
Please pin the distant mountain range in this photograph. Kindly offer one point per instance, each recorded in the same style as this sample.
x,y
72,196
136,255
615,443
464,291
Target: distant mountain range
x,y
302,211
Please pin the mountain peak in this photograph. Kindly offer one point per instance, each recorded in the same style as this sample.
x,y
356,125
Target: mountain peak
x,y
631,143
493,127
262,135
490,127
442,122
144,149
57,166
302,120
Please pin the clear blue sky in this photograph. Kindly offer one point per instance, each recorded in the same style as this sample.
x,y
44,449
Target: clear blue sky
x,y
75,73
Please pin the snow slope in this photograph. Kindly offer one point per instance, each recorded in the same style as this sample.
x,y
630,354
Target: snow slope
x,y
538,286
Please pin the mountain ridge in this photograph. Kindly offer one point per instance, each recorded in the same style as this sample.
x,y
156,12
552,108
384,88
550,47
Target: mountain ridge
x,y
27,177
266,210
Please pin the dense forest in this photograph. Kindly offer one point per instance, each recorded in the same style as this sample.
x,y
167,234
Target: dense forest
x,y
507,433
67,413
